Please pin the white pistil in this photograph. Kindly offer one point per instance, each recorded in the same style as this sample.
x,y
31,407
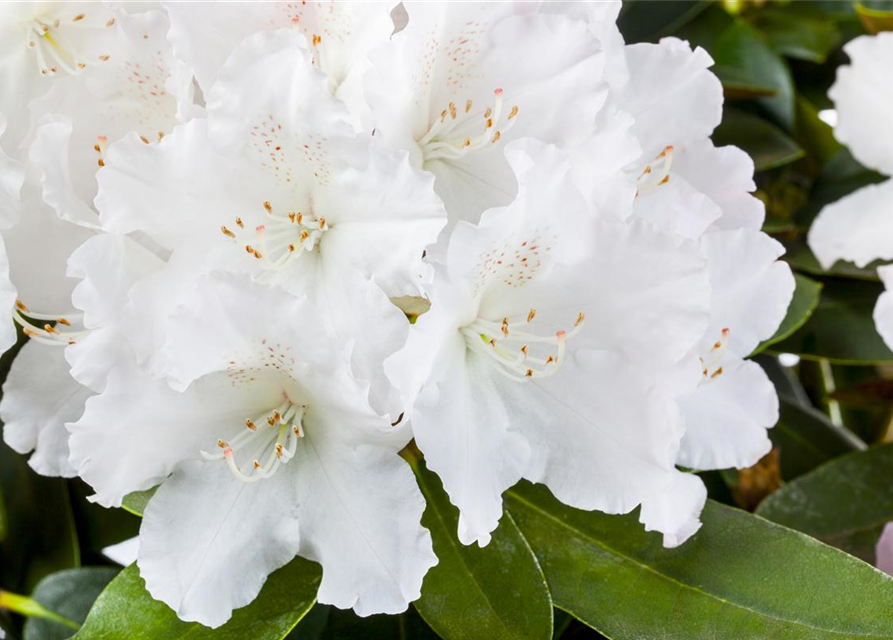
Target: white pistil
x,y
282,239
711,368
509,346
58,335
657,173
273,434
437,142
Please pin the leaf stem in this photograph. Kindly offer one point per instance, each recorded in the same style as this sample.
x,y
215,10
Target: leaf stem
x,y
31,608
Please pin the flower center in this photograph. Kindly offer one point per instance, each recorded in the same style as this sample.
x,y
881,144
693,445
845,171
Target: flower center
x,y
657,173
38,327
710,366
442,142
53,50
269,441
283,238
517,353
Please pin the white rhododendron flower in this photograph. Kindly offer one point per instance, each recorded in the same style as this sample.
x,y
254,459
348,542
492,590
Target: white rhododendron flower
x,y
464,79
550,351
339,36
209,214
272,450
276,183
81,109
858,227
701,192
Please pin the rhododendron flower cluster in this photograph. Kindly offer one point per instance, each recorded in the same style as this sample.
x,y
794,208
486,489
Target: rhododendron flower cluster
x,y
219,220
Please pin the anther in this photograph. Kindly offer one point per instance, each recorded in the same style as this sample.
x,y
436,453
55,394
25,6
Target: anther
x,y
531,315
227,232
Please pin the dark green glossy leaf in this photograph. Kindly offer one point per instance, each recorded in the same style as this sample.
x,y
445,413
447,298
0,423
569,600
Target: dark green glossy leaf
x,y
814,135
39,536
744,62
345,625
649,21
845,502
841,328
785,380
807,438
70,594
800,257
841,175
498,591
798,30
805,300
126,610
768,145
739,577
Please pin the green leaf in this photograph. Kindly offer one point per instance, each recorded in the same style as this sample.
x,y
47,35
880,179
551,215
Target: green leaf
x,y
39,536
498,591
806,299
841,175
801,258
875,19
136,502
841,328
845,503
768,145
69,594
345,625
745,63
807,438
740,577
126,610
798,30
649,21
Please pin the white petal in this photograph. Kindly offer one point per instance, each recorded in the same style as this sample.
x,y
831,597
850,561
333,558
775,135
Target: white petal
x,y
645,292
348,30
883,311
270,84
208,541
464,422
360,512
675,511
671,93
67,195
138,429
751,287
38,247
862,96
725,175
677,206
558,95
603,435
12,175
107,267
726,418
170,190
857,227
383,214
39,398
258,326
8,296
